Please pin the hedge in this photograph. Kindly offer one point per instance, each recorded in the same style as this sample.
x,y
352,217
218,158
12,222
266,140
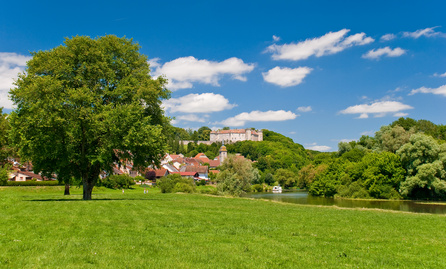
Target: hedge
x,y
33,183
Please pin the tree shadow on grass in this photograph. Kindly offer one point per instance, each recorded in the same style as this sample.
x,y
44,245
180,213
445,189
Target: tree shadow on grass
x,y
98,199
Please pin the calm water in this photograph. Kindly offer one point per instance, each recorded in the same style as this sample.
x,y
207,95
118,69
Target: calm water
x,y
304,198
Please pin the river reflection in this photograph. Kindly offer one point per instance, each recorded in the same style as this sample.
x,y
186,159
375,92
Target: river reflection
x,y
301,197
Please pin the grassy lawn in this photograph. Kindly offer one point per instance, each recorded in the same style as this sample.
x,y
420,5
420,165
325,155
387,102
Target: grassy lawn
x,y
41,228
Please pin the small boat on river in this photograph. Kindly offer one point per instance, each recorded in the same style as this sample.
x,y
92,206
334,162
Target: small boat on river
x,y
277,189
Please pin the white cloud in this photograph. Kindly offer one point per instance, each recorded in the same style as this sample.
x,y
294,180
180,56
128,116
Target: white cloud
x,y
286,77
242,118
276,38
11,64
347,140
379,109
387,37
428,32
185,71
386,51
198,103
192,117
154,63
330,43
304,108
369,133
440,75
317,147
401,114
440,90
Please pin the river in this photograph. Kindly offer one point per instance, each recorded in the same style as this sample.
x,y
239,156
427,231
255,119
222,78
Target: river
x,y
301,197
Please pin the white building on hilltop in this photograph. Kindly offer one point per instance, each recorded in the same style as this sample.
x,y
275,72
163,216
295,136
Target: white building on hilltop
x,y
232,136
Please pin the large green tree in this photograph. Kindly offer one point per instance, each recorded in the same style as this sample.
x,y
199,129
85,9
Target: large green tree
x,y
85,105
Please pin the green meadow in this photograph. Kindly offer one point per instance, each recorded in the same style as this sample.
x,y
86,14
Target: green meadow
x,y
42,228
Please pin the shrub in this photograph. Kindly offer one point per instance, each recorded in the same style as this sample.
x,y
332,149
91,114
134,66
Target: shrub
x,y
257,188
201,182
175,183
123,181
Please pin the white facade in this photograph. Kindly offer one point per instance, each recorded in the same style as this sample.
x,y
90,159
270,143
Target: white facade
x,y
236,135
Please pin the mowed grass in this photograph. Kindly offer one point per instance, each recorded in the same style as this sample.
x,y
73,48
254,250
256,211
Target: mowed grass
x,y
42,228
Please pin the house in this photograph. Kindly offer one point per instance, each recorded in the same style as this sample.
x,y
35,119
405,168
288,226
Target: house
x,y
26,176
201,170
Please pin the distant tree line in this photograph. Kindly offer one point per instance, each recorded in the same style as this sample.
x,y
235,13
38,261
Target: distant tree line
x,y
406,159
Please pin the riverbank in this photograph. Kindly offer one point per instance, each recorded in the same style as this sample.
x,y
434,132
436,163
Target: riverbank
x,y
303,198
40,227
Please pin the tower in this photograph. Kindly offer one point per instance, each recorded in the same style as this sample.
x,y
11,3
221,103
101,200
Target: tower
x,y
223,153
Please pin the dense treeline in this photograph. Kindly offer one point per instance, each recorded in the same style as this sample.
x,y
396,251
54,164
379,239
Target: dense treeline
x,y
405,159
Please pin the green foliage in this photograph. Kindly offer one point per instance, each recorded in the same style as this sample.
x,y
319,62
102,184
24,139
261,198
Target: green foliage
x,y
381,175
406,123
236,175
354,190
4,175
257,188
343,147
201,182
285,177
308,173
85,105
327,182
176,183
268,178
139,178
425,162
34,183
123,181
276,151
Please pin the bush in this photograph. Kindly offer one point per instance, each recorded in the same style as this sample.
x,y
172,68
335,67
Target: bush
x,y
139,178
201,182
208,190
257,188
34,183
123,181
176,183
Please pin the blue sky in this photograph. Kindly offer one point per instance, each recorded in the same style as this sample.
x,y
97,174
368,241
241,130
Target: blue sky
x,y
319,72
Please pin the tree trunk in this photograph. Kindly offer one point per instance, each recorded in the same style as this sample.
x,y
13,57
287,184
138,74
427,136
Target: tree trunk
x,y
89,181
67,189
88,189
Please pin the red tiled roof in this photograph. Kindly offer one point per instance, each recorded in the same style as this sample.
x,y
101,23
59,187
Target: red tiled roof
x,y
203,159
200,155
214,163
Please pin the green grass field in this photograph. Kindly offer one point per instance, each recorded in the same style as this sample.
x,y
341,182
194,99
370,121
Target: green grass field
x,y
41,228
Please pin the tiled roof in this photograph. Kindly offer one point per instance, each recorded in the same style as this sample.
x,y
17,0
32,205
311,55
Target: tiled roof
x,y
214,163
198,169
234,131
160,172
200,155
